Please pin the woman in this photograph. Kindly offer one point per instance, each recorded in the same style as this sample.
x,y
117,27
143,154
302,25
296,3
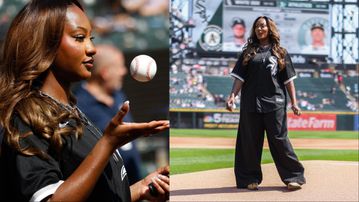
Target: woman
x,y
50,149
263,72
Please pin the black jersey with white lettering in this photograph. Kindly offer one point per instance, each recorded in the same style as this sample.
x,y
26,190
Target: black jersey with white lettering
x,y
263,89
30,178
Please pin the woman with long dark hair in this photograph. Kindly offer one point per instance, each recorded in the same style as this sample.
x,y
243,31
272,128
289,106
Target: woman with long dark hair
x,y
51,151
263,73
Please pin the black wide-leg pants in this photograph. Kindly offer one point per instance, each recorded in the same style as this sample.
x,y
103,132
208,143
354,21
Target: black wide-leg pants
x,y
249,146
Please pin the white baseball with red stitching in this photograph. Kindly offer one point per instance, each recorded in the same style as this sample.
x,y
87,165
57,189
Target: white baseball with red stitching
x,y
143,68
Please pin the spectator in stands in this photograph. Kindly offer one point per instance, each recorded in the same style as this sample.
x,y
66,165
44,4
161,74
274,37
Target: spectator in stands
x,y
340,79
262,73
317,45
333,89
51,151
101,96
347,89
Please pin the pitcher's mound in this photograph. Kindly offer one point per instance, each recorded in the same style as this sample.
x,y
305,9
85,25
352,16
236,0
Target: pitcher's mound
x,y
326,181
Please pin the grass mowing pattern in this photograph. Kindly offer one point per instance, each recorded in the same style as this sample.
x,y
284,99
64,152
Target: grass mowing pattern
x,y
292,134
192,160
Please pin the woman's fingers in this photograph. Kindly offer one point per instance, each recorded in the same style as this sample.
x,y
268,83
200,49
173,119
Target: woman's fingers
x,y
164,179
142,128
296,110
230,102
150,126
164,125
229,105
117,119
161,186
160,182
165,170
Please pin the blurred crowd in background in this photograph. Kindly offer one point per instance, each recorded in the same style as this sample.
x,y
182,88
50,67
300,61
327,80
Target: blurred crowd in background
x,y
133,24
205,83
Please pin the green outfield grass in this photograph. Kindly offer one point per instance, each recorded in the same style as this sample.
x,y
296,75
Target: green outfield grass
x,y
191,160
292,134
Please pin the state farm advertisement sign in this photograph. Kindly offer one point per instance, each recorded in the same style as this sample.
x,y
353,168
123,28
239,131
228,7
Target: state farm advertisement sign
x,y
312,122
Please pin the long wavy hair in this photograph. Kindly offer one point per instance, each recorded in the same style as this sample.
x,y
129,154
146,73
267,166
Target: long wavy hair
x,y
252,47
29,50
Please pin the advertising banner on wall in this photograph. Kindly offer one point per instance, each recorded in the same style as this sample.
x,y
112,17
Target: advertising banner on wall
x,y
220,120
312,122
318,122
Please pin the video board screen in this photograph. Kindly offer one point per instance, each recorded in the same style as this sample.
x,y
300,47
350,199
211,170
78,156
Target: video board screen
x,y
223,26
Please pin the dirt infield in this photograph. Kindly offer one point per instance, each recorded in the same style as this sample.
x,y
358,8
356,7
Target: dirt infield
x,y
326,181
198,142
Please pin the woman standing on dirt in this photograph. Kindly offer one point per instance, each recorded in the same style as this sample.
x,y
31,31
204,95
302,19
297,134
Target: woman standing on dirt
x,y
262,73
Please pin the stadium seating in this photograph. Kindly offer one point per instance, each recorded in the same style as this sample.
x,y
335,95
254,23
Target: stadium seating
x,y
219,84
185,94
313,94
319,91
352,83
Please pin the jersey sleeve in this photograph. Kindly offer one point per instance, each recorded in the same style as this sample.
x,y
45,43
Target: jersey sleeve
x,y
288,74
36,178
239,71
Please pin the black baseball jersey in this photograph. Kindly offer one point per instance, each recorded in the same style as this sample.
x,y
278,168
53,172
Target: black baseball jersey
x,y
263,89
25,178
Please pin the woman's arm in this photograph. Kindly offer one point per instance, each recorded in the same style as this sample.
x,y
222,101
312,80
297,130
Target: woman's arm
x,y
291,91
237,86
81,183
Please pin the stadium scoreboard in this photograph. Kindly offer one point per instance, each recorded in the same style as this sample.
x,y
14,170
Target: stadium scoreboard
x,y
282,3
214,20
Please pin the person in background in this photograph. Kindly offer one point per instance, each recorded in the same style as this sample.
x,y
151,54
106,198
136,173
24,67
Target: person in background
x,y
237,40
100,97
317,45
239,32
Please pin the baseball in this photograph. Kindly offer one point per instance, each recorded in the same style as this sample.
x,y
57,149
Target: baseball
x,y
143,68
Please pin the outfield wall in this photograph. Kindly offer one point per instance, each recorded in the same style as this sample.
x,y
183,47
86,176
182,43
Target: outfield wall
x,y
211,118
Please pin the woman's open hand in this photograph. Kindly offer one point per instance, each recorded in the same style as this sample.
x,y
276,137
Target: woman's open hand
x,y
122,133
